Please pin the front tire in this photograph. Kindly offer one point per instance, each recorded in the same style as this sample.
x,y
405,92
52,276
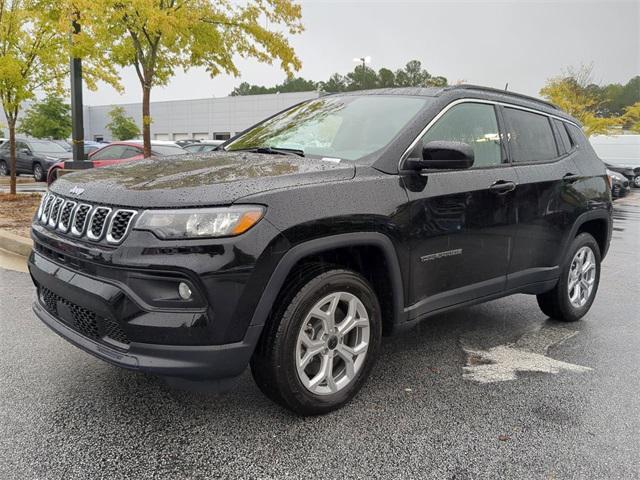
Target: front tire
x,y
576,290
319,346
38,173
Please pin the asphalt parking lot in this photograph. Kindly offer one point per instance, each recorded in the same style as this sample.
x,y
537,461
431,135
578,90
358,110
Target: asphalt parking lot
x,y
562,402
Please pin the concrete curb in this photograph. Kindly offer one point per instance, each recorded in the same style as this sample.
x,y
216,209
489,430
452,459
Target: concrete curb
x,y
15,243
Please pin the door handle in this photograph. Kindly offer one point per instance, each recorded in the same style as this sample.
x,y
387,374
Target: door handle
x,y
501,187
570,177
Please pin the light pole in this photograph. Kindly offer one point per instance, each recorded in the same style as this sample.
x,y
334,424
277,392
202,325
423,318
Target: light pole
x,y
364,61
77,120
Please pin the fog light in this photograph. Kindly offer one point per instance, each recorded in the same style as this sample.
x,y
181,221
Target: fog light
x,y
184,291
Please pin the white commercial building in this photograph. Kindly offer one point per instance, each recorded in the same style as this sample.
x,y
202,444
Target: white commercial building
x,y
206,118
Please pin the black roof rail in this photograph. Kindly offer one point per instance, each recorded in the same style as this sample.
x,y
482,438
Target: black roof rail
x,y
502,92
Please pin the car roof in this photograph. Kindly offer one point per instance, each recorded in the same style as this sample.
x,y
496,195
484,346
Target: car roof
x,y
454,92
139,143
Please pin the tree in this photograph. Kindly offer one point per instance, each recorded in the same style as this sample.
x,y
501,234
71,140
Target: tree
x,y
572,93
616,97
291,84
335,84
296,84
386,78
157,37
32,58
437,82
122,126
246,88
362,78
50,118
411,76
631,117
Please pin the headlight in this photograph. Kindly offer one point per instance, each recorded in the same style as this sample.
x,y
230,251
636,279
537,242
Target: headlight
x,y
52,159
200,222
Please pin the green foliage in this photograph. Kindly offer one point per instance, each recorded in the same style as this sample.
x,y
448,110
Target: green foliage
x,y
50,118
386,78
362,77
158,37
336,83
121,126
616,98
291,84
631,117
576,94
32,58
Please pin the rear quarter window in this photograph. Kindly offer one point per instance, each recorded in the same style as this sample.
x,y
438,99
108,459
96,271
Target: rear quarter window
x,y
564,135
530,136
577,135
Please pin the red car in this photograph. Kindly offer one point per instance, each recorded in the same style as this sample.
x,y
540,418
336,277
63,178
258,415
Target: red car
x,y
118,152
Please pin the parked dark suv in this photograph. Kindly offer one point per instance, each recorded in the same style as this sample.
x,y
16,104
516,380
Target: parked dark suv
x,y
310,234
33,156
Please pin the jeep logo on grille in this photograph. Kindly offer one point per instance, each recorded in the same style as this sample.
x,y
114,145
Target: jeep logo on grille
x,y
76,191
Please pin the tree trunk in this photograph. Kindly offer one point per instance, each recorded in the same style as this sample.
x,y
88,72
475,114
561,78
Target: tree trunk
x,y
146,120
12,155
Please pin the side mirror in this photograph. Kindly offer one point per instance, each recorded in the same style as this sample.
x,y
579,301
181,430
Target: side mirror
x,y
25,151
443,155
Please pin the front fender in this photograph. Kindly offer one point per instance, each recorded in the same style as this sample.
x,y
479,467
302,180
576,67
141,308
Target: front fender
x,y
319,245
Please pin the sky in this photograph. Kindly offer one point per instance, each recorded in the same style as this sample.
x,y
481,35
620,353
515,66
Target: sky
x,y
521,43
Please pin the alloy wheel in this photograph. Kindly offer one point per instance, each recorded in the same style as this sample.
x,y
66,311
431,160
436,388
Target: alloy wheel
x,y
582,277
37,172
332,343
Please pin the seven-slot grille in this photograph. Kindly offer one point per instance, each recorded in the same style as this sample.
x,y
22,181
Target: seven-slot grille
x,y
65,215
83,220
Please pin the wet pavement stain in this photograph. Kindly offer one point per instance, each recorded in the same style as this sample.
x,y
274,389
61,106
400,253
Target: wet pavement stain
x,y
527,354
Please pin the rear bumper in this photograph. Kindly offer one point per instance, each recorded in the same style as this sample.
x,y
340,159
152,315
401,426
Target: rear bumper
x,y
198,362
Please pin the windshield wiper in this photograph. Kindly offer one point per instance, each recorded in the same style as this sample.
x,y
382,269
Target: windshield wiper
x,y
272,150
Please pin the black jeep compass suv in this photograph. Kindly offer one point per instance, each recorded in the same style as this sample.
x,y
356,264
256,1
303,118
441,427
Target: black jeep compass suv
x,y
300,241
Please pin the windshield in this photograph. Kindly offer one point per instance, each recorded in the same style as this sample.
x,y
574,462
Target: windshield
x,y
344,127
168,150
196,147
45,146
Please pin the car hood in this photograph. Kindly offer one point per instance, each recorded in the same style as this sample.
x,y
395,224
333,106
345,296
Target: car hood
x,y
215,178
58,156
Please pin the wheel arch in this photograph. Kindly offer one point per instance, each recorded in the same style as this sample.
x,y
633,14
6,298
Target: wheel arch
x,y
334,248
598,224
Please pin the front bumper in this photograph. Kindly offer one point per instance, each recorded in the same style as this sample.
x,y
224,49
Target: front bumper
x,y
197,362
91,313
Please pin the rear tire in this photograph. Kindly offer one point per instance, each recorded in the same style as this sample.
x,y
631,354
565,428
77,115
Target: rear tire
x,y
576,289
313,361
38,173
4,169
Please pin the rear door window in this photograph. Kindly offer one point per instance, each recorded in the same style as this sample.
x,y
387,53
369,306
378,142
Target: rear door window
x,y
474,124
530,136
